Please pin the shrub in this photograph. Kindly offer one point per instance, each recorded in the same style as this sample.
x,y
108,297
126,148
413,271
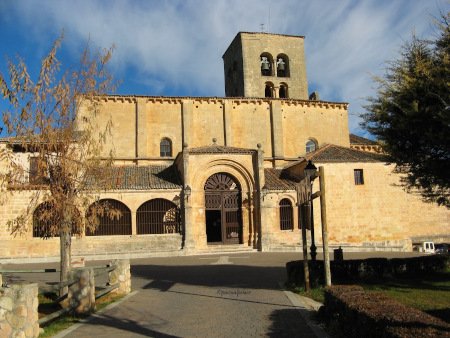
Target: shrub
x,y
370,269
351,312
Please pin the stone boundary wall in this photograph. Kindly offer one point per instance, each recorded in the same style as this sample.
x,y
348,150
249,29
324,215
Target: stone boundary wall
x,y
95,247
122,276
81,295
19,311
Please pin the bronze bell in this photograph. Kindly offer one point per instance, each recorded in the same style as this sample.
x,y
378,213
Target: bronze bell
x,y
265,65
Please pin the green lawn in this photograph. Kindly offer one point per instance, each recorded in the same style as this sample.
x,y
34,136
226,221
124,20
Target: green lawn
x,y
429,294
47,306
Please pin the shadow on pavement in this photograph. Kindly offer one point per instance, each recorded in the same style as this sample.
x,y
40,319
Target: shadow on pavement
x,y
237,276
128,326
287,323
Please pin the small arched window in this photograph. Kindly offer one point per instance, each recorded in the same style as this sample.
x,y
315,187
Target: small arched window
x,y
165,147
268,91
283,91
311,145
282,64
286,215
266,62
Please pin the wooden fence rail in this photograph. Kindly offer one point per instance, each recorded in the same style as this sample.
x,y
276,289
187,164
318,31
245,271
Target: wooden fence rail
x,y
99,291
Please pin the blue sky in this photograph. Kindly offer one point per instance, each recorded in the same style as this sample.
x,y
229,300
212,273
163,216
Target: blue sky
x,y
175,48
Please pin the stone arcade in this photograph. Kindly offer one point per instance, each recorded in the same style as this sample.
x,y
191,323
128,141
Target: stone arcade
x,y
195,174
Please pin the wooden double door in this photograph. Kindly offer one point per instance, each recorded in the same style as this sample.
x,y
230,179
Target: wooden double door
x,y
223,209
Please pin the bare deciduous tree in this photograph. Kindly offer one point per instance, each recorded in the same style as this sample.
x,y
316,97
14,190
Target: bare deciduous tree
x,y
53,145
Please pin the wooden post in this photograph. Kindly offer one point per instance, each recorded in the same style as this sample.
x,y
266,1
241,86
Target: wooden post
x,y
323,217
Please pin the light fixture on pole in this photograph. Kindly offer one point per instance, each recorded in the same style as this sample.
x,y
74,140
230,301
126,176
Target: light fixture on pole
x,y
187,192
264,191
311,173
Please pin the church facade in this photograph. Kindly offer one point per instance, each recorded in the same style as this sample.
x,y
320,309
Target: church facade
x,y
199,174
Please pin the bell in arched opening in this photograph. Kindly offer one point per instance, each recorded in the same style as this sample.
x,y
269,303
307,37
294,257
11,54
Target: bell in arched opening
x,y
265,64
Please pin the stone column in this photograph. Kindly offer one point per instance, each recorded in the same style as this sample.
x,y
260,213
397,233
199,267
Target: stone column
x,y
228,132
133,223
141,128
277,131
19,311
81,296
187,108
186,203
260,226
121,275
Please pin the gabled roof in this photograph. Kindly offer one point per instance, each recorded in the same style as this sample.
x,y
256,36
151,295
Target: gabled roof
x,y
277,179
334,153
355,139
141,178
216,149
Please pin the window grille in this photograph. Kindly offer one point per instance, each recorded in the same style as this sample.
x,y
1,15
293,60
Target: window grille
x,y
165,148
359,176
45,221
158,216
286,215
106,224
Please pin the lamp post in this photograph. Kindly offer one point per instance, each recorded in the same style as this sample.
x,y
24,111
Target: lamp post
x,y
187,192
311,174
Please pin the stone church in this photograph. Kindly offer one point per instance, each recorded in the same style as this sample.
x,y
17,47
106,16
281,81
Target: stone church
x,y
200,174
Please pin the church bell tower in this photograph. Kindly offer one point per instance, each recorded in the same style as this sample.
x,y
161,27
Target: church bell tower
x,y
266,65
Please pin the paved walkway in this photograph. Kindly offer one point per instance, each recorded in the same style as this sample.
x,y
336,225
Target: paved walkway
x,y
236,295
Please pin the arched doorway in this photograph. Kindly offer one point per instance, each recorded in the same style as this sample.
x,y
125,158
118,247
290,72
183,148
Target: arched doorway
x,y
223,209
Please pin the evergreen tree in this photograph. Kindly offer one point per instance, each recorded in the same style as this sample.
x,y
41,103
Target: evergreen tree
x,y
410,115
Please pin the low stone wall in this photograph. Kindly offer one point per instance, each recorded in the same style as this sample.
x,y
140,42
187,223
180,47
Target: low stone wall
x,y
92,247
19,311
122,276
81,295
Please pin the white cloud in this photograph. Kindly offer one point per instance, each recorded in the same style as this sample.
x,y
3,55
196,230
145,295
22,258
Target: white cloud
x,y
177,46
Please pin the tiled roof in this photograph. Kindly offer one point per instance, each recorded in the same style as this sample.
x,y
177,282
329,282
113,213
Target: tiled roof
x,y
355,139
140,178
215,149
276,179
333,153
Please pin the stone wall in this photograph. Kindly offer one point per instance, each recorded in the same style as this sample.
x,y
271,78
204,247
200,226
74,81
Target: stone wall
x,y
121,275
102,247
377,214
142,122
81,295
19,311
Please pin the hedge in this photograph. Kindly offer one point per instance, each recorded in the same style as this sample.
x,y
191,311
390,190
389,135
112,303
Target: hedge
x,y
368,269
350,312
